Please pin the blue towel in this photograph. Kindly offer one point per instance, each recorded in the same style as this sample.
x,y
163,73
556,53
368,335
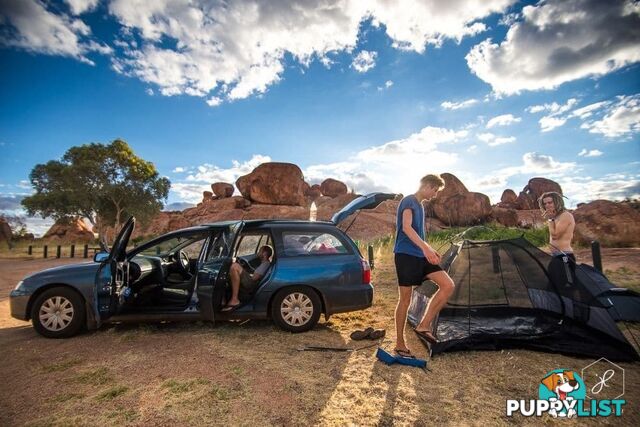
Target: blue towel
x,y
390,359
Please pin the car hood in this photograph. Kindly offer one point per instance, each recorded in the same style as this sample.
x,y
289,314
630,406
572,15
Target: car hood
x,y
65,270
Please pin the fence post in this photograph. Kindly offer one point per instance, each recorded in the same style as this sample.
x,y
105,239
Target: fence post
x,y
370,253
45,251
596,255
86,251
72,252
30,250
58,251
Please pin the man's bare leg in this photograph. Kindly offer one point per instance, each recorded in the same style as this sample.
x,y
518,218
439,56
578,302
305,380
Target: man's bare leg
x,y
234,272
438,301
404,299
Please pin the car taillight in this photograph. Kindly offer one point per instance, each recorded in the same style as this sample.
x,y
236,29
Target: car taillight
x,y
366,272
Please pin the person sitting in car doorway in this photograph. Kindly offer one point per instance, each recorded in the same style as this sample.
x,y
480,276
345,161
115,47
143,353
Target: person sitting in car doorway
x,y
245,282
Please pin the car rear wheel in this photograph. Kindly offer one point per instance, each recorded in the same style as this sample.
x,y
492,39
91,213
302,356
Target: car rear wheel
x,y
58,313
296,309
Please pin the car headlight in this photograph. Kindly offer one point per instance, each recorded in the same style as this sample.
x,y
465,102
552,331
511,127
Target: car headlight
x,y
19,285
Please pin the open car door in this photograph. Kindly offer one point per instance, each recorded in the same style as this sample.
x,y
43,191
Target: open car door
x,y
368,201
113,274
213,272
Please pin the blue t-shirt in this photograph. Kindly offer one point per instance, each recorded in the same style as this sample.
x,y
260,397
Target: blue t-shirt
x,y
404,245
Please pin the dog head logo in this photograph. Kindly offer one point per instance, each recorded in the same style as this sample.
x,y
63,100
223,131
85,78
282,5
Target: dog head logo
x,y
562,385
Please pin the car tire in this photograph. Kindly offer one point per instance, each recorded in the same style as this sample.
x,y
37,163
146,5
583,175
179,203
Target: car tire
x,y
296,309
58,313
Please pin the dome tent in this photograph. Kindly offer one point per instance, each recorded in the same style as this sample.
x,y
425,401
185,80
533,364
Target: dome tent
x,y
505,298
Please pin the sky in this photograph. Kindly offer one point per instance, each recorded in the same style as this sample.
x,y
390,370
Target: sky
x,y
375,93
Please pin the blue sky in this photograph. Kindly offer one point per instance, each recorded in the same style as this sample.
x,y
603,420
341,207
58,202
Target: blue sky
x,y
374,93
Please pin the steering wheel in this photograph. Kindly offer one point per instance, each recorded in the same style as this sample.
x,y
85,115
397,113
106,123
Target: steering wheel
x,y
183,262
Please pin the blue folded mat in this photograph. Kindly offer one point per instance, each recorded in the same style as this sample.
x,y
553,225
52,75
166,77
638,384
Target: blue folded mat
x,y
390,359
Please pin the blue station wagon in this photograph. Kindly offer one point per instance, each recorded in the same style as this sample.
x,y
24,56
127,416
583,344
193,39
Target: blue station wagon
x,y
184,275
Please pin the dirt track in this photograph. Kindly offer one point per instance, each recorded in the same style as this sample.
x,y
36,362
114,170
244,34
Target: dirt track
x,y
252,374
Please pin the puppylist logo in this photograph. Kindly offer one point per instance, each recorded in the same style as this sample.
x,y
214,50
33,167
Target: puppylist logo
x,y
564,393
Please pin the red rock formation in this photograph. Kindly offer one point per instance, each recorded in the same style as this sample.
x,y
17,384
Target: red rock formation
x,y
222,189
207,195
313,192
73,230
333,188
273,183
508,199
611,223
504,216
5,231
528,197
457,206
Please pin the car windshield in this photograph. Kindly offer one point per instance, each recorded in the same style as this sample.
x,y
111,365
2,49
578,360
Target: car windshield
x,y
220,243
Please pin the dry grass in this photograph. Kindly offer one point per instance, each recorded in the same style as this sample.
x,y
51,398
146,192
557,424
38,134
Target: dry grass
x,y
253,374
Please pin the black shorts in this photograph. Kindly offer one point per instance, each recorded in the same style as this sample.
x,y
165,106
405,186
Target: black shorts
x,y
413,270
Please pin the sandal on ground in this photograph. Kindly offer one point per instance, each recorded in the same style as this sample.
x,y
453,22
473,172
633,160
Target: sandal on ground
x,y
361,334
427,336
404,353
377,334
229,308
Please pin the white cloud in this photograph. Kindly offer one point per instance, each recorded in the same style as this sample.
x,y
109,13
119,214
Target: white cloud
x,y
233,50
622,118
387,85
503,120
493,140
364,61
214,101
548,123
553,108
557,41
79,7
30,25
149,91
396,165
590,153
178,169
449,105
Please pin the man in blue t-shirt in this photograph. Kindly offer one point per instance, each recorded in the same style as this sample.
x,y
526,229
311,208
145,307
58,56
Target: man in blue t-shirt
x,y
416,261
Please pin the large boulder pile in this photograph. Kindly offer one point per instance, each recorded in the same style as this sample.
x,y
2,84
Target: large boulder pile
x,y
333,188
274,184
71,230
222,190
457,206
523,210
611,223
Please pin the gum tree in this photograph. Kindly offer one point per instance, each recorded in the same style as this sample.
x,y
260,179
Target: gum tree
x,y
102,182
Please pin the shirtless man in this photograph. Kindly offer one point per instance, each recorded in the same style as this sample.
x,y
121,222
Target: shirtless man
x,y
560,221
561,224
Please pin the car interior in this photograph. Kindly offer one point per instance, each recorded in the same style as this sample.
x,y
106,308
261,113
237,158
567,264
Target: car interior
x,y
163,275
247,255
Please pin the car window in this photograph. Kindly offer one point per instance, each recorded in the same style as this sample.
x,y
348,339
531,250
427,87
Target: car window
x,y
312,243
251,243
191,243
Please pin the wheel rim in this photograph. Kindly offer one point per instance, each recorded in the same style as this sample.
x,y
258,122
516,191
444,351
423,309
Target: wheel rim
x,y
296,309
56,313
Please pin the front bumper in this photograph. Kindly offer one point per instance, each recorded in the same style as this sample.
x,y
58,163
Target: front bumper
x,y
18,303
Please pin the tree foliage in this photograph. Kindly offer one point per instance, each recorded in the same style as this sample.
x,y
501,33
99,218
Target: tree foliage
x,y
102,182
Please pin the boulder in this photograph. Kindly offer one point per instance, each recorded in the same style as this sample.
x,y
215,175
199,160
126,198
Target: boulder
x,y
530,218
72,230
614,224
313,192
508,199
528,197
504,216
457,206
5,231
333,188
273,183
222,189
207,195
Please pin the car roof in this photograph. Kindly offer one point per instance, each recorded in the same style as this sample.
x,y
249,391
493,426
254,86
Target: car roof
x,y
258,222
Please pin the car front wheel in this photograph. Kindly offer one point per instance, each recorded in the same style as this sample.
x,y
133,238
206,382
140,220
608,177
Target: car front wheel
x,y
58,313
296,309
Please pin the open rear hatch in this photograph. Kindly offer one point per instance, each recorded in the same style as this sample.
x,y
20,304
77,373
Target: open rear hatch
x,y
368,201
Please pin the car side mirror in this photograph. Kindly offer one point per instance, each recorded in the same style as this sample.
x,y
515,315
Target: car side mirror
x,y
100,256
